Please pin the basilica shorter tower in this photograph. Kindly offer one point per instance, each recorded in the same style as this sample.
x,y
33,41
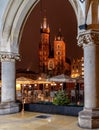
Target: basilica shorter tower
x,y
52,57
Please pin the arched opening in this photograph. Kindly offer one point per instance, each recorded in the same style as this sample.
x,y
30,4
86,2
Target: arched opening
x,y
12,18
21,25
61,16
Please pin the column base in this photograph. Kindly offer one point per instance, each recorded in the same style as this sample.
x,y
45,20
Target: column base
x,y
89,118
9,108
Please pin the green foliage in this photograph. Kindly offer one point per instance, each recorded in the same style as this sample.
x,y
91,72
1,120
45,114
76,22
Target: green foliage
x,y
61,98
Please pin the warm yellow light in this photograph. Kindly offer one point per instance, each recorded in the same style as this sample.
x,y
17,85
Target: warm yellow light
x,y
18,86
82,73
77,70
54,84
82,68
46,84
61,84
35,84
73,75
40,78
82,64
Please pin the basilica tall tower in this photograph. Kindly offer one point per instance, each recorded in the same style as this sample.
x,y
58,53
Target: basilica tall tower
x,y
44,46
59,53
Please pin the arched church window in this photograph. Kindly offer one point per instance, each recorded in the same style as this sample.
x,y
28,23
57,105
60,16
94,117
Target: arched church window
x,y
59,53
58,46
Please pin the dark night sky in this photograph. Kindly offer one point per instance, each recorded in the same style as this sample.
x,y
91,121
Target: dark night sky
x,y
60,14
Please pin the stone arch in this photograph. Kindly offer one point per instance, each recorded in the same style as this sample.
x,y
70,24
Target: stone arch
x,y
12,28
13,15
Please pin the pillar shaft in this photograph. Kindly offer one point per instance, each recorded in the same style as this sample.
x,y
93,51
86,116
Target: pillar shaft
x,y
91,76
8,81
89,117
8,104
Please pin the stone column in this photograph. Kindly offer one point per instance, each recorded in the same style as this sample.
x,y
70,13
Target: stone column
x,y
8,81
89,117
8,89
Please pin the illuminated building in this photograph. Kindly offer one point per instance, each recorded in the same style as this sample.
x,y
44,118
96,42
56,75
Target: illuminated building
x,y
44,46
52,58
77,68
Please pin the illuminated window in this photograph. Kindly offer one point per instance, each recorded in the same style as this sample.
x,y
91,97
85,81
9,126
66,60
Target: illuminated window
x,y
82,64
82,68
82,73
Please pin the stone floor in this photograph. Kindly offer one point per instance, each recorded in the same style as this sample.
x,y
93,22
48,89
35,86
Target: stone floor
x,y
38,121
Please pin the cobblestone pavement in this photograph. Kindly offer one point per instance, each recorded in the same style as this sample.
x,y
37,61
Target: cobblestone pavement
x,y
38,121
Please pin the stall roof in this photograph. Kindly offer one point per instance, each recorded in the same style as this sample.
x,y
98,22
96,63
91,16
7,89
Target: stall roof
x,y
62,78
24,80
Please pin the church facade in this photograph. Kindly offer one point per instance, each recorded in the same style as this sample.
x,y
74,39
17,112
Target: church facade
x,y
52,57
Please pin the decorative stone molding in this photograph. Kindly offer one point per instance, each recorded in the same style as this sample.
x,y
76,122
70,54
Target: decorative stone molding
x,y
88,37
9,57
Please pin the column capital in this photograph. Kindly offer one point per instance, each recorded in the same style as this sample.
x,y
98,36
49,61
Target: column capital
x,y
9,56
88,37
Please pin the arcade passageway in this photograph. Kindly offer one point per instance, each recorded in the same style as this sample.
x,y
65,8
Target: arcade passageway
x,y
29,121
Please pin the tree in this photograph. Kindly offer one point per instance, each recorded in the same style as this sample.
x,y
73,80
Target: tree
x,y
61,98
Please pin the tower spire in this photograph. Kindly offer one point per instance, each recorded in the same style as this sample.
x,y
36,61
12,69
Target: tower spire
x,y
59,36
45,26
45,22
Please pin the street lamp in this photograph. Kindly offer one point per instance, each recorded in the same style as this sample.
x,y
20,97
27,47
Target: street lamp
x,y
23,98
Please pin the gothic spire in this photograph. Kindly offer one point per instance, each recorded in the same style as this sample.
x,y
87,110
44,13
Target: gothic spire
x,y
45,26
59,36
